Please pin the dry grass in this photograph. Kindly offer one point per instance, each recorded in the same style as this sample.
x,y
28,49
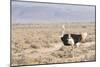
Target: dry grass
x,y
40,44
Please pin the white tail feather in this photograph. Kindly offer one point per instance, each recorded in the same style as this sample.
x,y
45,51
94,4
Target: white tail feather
x,y
84,35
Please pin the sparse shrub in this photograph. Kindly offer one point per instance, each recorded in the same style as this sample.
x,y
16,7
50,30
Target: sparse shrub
x,y
15,43
27,42
83,26
34,46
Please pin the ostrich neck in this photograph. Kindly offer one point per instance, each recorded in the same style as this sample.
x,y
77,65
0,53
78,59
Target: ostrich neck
x,y
63,31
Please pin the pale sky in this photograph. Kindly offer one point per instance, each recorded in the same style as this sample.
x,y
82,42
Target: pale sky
x,y
27,12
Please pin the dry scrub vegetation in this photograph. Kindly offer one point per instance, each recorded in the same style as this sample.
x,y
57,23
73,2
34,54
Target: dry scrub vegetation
x,y
40,44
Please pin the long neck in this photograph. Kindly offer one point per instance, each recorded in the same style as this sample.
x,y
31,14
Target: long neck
x,y
63,30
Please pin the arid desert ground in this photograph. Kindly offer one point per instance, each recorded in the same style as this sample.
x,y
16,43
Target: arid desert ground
x,y
40,44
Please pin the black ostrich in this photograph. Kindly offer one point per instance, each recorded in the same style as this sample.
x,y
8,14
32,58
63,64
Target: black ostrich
x,y
72,39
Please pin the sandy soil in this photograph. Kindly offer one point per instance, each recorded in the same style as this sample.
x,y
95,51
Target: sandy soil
x,y
40,44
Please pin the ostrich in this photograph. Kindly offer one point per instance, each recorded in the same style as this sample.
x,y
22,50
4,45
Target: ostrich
x,y
72,39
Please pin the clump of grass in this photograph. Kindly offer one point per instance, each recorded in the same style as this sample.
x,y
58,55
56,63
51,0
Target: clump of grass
x,y
34,46
47,46
83,26
27,42
15,43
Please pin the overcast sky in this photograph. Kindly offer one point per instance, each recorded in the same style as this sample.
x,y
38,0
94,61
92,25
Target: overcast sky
x,y
28,12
